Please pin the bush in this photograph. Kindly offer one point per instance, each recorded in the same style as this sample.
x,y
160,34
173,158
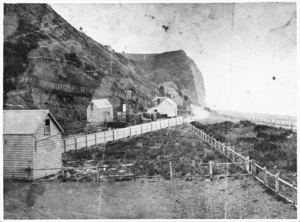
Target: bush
x,y
246,123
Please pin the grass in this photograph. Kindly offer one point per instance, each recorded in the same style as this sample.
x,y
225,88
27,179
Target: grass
x,y
269,146
152,152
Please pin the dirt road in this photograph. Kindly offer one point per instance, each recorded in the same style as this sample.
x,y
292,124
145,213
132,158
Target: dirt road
x,y
146,199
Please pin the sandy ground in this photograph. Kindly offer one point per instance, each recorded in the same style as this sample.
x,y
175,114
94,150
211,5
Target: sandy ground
x,y
145,199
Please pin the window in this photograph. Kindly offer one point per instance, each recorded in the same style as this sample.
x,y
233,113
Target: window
x,y
92,106
47,127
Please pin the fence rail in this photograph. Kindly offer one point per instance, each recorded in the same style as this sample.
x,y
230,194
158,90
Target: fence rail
x,y
284,125
287,191
76,143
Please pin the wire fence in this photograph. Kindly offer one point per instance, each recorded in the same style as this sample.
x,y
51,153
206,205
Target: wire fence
x,y
281,188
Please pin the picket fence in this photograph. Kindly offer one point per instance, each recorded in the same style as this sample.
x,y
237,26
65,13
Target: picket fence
x,y
275,124
281,188
76,143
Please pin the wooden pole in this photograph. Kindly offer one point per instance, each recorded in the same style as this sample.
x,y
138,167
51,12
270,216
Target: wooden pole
x,y
97,174
86,141
134,173
171,170
75,143
63,172
277,185
294,193
210,168
65,147
96,139
253,168
265,177
247,164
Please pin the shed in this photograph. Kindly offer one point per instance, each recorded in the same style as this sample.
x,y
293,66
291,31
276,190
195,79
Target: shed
x,y
32,142
164,105
99,111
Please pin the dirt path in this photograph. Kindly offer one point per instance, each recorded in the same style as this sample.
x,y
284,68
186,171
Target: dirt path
x,y
147,199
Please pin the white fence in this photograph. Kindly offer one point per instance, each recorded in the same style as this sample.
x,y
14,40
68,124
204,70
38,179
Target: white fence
x,y
275,124
76,143
282,188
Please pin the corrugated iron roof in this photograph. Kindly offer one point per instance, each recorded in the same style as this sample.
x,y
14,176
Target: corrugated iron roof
x,y
24,121
102,103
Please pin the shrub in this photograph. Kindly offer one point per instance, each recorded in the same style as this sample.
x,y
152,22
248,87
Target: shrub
x,y
246,123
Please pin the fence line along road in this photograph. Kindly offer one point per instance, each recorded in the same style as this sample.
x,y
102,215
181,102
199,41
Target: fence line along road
x,y
284,125
79,142
278,124
281,188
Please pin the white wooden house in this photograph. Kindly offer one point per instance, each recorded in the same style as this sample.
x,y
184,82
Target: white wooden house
x,y
31,144
164,105
99,111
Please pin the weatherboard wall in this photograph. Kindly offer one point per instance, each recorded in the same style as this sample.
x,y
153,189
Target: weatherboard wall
x,y
98,115
17,155
47,151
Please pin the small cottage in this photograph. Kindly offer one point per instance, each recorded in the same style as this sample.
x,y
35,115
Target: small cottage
x,y
164,105
32,144
99,111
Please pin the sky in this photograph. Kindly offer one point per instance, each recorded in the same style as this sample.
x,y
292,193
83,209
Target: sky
x,y
246,52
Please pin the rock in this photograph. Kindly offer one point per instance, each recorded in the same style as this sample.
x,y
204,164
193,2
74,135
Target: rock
x,y
207,180
68,175
188,177
139,145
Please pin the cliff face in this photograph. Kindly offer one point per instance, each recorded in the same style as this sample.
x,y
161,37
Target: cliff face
x,y
175,71
48,64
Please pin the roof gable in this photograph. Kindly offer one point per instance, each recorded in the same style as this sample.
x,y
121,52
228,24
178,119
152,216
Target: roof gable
x,y
102,103
25,121
170,101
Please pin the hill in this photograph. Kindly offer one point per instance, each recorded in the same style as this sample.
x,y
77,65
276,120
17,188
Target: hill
x,y
175,71
48,64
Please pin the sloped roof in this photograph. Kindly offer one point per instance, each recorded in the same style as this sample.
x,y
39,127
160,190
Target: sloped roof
x,y
25,121
102,103
171,102
165,99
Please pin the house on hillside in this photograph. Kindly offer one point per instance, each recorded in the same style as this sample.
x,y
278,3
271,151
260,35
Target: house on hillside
x,y
99,111
164,105
31,144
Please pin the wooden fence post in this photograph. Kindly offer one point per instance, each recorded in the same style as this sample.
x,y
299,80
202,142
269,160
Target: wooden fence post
x,y
253,168
171,170
65,147
63,172
210,168
75,143
233,155
293,194
86,141
96,139
134,173
113,135
228,152
277,185
247,164
265,176
97,174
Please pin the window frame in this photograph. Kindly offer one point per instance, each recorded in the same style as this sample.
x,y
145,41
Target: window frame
x,y
47,127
